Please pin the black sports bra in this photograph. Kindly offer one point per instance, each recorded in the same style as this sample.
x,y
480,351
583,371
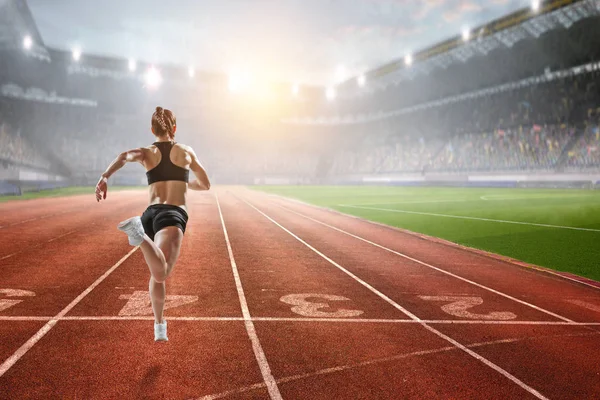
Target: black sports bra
x,y
166,170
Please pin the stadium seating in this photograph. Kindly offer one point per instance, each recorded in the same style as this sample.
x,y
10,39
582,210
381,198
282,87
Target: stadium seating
x,y
15,148
532,148
585,154
544,126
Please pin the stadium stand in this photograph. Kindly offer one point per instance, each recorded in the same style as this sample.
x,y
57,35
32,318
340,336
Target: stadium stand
x,y
535,148
509,100
16,149
585,154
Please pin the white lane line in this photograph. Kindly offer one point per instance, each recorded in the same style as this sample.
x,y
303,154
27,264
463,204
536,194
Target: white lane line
x,y
330,370
48,241
478,199
470,218
303,320
36,219
344,270
417,202
64,234
431,266
425,321
148,318
502,197
16,356
261,358
432,239
470,352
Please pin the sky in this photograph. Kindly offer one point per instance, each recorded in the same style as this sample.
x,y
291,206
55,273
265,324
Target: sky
x,y
298,41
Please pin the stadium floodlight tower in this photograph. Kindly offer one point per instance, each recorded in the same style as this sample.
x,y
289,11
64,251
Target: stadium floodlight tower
x,y
361,80
408,60
153,77
132,65
76,53
466,34
341,73
330,93
27,42
535,5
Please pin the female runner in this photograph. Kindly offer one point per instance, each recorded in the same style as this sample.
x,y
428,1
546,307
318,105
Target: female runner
x,y
159,231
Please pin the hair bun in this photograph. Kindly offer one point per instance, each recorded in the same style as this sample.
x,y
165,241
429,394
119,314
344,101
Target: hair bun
x,y
159,110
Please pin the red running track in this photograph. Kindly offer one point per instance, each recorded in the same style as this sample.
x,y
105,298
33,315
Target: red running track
x,y
276,299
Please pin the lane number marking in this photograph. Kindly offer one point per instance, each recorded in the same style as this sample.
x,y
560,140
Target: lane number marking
x,y
458,306
139,303
585,304
6,303
307,308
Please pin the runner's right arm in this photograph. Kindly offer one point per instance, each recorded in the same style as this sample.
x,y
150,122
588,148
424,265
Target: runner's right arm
x,y
135,155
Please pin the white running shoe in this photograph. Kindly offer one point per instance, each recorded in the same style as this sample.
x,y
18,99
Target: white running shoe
x,y
160,331
134,230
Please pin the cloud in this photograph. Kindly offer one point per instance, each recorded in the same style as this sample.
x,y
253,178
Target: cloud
x,y
426,7
351,32
459,10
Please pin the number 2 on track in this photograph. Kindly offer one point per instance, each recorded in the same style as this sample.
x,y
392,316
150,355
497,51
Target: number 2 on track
x,y
311,309
458,306
139,303
6,304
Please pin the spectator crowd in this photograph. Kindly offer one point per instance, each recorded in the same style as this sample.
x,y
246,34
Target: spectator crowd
x,y
15,149
542,127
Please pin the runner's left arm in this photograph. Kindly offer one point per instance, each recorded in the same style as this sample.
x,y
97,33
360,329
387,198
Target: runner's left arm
x,y
201,182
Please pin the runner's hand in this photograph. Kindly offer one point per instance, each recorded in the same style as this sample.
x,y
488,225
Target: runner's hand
x,y
101,188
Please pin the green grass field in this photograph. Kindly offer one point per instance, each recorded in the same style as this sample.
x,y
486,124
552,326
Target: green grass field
x,y
481,218
69,191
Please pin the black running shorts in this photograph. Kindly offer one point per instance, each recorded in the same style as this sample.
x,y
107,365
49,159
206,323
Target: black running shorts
x,y
159,216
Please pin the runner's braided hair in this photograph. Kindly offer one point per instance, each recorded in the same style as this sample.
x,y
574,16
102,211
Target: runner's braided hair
x,y
163,122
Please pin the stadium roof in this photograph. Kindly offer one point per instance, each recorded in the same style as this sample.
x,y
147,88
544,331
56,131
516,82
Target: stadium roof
x,y
503,32
562,42
288,40
16,23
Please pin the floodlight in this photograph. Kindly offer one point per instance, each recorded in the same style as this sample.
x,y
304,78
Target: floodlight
x,y
27,42
240,80
330,93
408,60
340,73
361,80
466,34
76,52
132,65
295,89
535,5
153,77
191,71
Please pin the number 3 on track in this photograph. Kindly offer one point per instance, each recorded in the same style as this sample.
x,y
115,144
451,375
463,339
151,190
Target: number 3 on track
x,y
458,306
6,304
311,309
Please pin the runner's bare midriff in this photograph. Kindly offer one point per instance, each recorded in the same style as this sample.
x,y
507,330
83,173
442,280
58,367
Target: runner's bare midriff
x,y
169,192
